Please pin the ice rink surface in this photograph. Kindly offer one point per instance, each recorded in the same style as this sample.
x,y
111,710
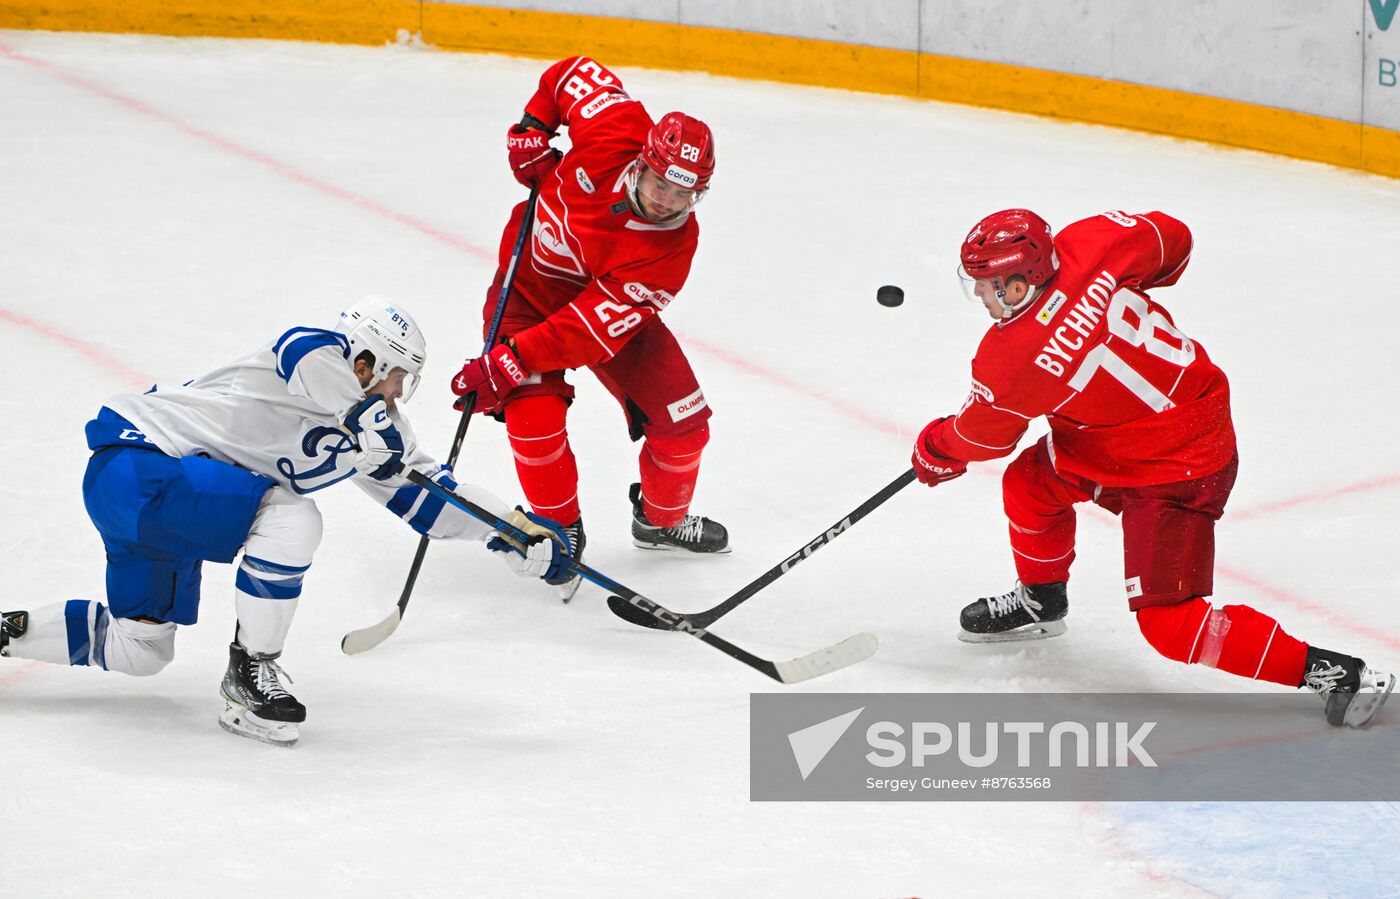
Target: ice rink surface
x,y
167,205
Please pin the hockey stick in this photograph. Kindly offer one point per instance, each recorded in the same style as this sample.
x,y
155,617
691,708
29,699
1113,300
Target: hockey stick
x,y
630,612
370,637
814,664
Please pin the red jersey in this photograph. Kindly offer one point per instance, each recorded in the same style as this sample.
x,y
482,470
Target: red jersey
x,y
595,271
1131,400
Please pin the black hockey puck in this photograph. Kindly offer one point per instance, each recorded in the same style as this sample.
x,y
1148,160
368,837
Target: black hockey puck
x,y
889,295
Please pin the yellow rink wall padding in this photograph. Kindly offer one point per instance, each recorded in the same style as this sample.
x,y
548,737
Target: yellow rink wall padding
x,y
627,42
333,21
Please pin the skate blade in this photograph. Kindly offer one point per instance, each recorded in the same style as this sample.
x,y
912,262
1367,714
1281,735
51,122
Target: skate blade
x,y
1365,706
1041,630
666,547
567,591
238,720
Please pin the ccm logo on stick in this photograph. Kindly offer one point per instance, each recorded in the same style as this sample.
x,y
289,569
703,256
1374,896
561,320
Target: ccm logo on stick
x,y
815,545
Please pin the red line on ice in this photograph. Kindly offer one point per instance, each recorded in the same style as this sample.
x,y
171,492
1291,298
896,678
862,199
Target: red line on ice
x,y
1318,496
1318,609
103,358
20,672
282,168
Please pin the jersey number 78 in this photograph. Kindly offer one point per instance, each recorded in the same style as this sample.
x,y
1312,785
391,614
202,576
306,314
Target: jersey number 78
x,y
1179,350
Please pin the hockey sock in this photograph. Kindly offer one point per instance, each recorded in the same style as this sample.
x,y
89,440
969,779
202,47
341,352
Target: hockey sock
x,y
544,463
1237,639
82,632
267,588
1040,516
65,633
264,616
670,467
1043,557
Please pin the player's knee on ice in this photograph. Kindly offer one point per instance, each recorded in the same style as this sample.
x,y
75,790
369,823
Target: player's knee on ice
x,y
1236,639
139,648
83,633
1176,630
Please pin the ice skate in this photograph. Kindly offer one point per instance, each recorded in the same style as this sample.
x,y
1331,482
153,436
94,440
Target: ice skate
x,y
694,534
1024,612
12,624
569,585
1352,693
257,706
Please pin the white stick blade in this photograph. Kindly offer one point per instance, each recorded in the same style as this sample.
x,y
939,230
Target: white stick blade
x,y
367,638
832,658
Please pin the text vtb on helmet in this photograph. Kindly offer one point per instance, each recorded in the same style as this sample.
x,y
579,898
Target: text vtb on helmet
x,y
390,334
1009,243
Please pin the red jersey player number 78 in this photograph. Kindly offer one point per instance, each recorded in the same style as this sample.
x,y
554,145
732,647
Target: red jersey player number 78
x,y
1140,424
611,247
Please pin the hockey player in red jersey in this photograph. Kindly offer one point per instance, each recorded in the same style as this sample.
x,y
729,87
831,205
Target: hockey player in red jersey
x,y
1139,424
612,244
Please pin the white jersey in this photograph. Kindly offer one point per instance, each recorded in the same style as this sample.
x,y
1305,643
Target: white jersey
x,y
279,412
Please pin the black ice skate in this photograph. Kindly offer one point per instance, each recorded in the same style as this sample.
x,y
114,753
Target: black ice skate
x,y
1352,694
569,584
1024,612
694,534
257,704
12,624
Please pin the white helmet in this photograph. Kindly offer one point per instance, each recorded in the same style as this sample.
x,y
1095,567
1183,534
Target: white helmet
x,y
388,332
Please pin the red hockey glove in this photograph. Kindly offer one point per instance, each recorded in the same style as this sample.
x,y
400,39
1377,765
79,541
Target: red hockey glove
x,y
490,377
531,157
931,467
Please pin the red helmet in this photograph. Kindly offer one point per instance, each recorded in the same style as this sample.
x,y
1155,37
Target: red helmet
x,y
1007,243
681,150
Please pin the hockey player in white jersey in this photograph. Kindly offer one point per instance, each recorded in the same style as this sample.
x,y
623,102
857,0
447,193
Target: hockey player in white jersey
x,y
226,463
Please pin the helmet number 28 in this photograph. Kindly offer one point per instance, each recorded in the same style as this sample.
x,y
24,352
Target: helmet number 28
x,y
690,153
618,319
1178,350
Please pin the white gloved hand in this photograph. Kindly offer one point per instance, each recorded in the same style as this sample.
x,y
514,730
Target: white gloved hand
x,y
539,560
379,446
546,555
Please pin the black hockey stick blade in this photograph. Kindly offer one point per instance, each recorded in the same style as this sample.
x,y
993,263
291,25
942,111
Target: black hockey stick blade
x,y
633,615
814,664
848,652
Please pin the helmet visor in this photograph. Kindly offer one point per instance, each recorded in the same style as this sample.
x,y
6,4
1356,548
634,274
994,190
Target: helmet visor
x,y
658,199
396,385
976,290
